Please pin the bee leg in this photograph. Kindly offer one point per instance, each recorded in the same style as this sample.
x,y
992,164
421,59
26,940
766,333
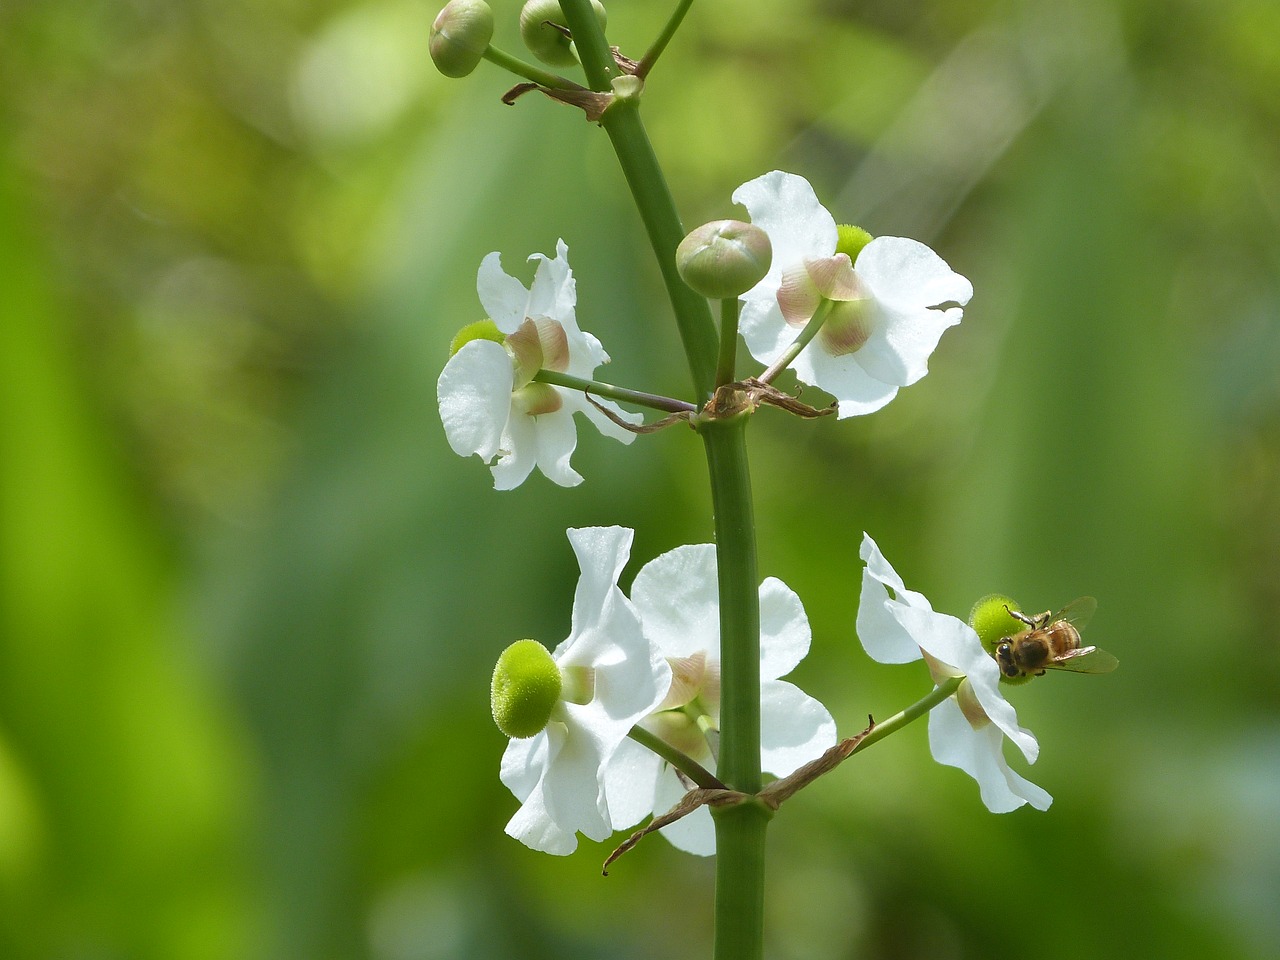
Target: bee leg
x,y
1019,615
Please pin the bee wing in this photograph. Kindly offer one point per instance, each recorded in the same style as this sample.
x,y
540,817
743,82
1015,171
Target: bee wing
x,y
1078,612
1085,660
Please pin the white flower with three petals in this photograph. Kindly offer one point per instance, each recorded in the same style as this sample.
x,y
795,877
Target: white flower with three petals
x,y
490,405
967,730
558,773
677,597
890,307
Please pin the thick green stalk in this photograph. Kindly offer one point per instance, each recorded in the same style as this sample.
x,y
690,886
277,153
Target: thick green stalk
x,y
652,196
740,830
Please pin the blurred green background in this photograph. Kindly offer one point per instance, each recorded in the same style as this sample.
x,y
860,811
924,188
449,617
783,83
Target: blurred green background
x,y
249,600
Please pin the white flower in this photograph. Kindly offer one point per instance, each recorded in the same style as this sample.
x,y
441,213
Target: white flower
x,y
677,598
886,320
968,729
618,678
488,405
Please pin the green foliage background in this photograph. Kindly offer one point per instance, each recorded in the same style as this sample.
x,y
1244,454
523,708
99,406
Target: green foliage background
x,y
249,600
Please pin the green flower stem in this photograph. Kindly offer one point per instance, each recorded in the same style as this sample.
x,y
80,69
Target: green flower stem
x,y
681,761
651,400
808,333
651,55
527,70
728,364
902,718
651,193
740,829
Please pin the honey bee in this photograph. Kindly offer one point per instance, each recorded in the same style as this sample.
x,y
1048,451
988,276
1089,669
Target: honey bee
x,y
1052,642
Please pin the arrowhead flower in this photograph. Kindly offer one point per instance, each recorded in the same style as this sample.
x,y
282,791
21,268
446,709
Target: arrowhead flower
x,y
612,678
897,625
890,298
489,402
677,598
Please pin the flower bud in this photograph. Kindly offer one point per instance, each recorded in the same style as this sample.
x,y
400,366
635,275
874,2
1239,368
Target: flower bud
x,y
526,688
850,240
480,330
992,622
544,41
460,36
724,259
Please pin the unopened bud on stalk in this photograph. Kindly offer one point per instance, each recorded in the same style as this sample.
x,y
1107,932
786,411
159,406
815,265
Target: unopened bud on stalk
x,y
460,36
544,41
526,687
724,259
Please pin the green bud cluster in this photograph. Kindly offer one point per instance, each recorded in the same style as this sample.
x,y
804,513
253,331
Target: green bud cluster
x,y
526,687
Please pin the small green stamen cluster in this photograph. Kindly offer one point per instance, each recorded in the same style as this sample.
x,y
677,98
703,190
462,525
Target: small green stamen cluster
x,y
991,620
480,330
526,688
850,240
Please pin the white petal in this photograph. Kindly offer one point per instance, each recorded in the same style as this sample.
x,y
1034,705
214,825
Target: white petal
x,y
585,354
573,787
902,340
553,293
474,391
535,829
984,683
523,762
907,274
882,635
784,629
794,727
602,554
525,767
799,227
857,392
557,437
978,753
678,599
503,297
694,833
947,639
519,451
764,330
630,778
575,402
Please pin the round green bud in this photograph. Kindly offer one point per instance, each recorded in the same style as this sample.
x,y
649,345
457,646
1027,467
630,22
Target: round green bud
x,y
992,622
526,688
851,240
480,330
460,36
724,259
539,20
